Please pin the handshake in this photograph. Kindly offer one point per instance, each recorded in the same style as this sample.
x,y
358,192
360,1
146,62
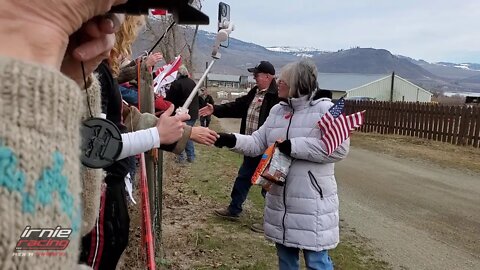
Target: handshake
x,y
171,128
229,140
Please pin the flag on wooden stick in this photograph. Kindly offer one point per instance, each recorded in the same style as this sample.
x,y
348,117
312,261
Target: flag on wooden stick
x,y
336,127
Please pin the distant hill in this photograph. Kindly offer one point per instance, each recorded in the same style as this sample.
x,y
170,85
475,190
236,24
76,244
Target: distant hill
x,y
448,70
473,79
369,61
237,57
240,55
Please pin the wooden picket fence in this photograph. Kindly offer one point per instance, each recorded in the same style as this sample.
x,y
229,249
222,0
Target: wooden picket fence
x,y
458,125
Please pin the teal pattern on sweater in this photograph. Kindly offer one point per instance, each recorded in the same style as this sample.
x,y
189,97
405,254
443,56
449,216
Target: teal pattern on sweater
x,y
51,180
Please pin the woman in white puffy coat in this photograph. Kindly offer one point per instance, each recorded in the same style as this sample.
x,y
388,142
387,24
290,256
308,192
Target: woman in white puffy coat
x,y
302,214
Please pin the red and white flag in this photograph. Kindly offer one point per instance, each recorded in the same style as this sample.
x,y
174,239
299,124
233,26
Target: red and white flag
x,y
166,74
336,127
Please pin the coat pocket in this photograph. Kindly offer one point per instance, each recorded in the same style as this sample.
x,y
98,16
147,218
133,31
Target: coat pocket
x,y
315,184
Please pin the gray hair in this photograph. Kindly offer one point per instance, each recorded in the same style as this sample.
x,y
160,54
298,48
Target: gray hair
x,y
286,73
303,79
183,71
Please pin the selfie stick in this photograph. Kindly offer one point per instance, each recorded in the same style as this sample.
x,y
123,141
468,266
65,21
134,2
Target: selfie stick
x,y
222,36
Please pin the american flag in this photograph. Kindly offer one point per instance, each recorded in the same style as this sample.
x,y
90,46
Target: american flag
x,y
336,127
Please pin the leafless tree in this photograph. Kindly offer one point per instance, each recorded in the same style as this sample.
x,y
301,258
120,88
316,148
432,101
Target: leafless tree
x,y
179,40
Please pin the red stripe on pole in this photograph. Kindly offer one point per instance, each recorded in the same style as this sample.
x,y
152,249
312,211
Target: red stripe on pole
x,y
147,222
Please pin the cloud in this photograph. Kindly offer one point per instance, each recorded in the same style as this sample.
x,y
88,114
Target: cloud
x,y
434,30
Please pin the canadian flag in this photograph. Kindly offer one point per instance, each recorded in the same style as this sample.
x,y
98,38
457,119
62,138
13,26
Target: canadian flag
x,y
159,12
165,75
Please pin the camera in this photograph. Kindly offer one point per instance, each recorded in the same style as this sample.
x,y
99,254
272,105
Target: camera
x,y
182,10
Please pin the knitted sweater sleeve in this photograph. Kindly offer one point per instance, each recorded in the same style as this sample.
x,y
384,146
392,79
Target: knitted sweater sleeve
x,y
91,178
39,161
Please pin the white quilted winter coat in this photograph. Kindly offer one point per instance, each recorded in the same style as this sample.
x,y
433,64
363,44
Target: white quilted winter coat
x,y
303,213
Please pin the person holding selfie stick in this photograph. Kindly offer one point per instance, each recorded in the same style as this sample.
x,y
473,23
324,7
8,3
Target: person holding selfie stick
x,y
41,110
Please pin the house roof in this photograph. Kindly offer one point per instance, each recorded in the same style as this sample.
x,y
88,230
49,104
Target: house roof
x,y
346,81
223,77
218,77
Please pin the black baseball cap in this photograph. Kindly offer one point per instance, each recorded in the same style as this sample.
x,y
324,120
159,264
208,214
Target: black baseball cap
x,y
263,67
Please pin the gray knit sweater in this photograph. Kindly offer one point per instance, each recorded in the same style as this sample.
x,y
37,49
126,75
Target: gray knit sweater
x,y
39,160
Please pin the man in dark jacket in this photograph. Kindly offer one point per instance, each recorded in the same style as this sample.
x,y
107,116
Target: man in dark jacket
x,y
178,93
203,100
253,108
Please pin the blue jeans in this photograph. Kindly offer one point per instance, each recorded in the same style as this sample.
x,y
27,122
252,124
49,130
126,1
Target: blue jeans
x,y
314,260
130,95
242,185
189,148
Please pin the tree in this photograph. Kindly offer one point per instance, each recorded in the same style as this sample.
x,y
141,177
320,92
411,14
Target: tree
x,y
179,40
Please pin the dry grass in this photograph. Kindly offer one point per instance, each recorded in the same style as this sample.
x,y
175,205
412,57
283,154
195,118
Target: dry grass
x,y
193,238
442,154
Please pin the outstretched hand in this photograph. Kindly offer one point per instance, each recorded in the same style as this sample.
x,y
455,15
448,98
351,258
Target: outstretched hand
x,y
226,139
207,110
170,128
153,59
203,135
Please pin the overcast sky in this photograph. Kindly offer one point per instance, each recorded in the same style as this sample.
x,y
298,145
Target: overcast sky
x,y
433,30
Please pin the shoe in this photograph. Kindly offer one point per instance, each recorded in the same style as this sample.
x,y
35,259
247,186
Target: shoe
x,y
190,160
225,213
180,161
257,227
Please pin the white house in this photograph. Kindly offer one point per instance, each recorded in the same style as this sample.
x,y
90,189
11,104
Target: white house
x,y
381,87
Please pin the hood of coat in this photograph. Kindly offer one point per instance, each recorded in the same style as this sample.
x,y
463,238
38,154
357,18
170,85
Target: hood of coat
x,y
298,104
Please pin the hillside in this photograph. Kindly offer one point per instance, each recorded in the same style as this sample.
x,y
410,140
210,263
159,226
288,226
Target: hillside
x,y
240,55
369,61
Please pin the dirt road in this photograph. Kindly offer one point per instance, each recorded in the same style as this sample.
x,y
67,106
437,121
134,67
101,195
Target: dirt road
x,y
419,215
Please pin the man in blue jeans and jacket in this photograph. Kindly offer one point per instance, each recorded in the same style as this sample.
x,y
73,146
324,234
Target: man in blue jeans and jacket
x,y
253,109
178,93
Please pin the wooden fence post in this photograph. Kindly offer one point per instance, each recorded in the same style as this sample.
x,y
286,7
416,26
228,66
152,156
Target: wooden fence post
x,y
464,125
476,136
453,124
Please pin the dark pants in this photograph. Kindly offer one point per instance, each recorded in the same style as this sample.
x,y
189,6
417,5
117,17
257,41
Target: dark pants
x,y
243,183
104,245
190,148
205,121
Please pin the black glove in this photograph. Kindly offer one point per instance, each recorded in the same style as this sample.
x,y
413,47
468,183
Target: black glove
x,y
226,139
285,147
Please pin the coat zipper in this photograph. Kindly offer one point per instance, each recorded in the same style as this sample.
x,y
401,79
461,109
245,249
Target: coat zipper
x,y
285,186
315,184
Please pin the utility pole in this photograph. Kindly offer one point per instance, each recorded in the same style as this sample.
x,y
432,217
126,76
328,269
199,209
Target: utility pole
x,y
391,87
206,79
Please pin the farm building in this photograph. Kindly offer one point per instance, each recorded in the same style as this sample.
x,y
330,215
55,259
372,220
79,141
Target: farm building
x,y
472,99
220,80
380,87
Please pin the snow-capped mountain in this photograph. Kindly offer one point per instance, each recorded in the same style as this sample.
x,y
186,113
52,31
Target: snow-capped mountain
x,y
465,66
297,51
241,55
